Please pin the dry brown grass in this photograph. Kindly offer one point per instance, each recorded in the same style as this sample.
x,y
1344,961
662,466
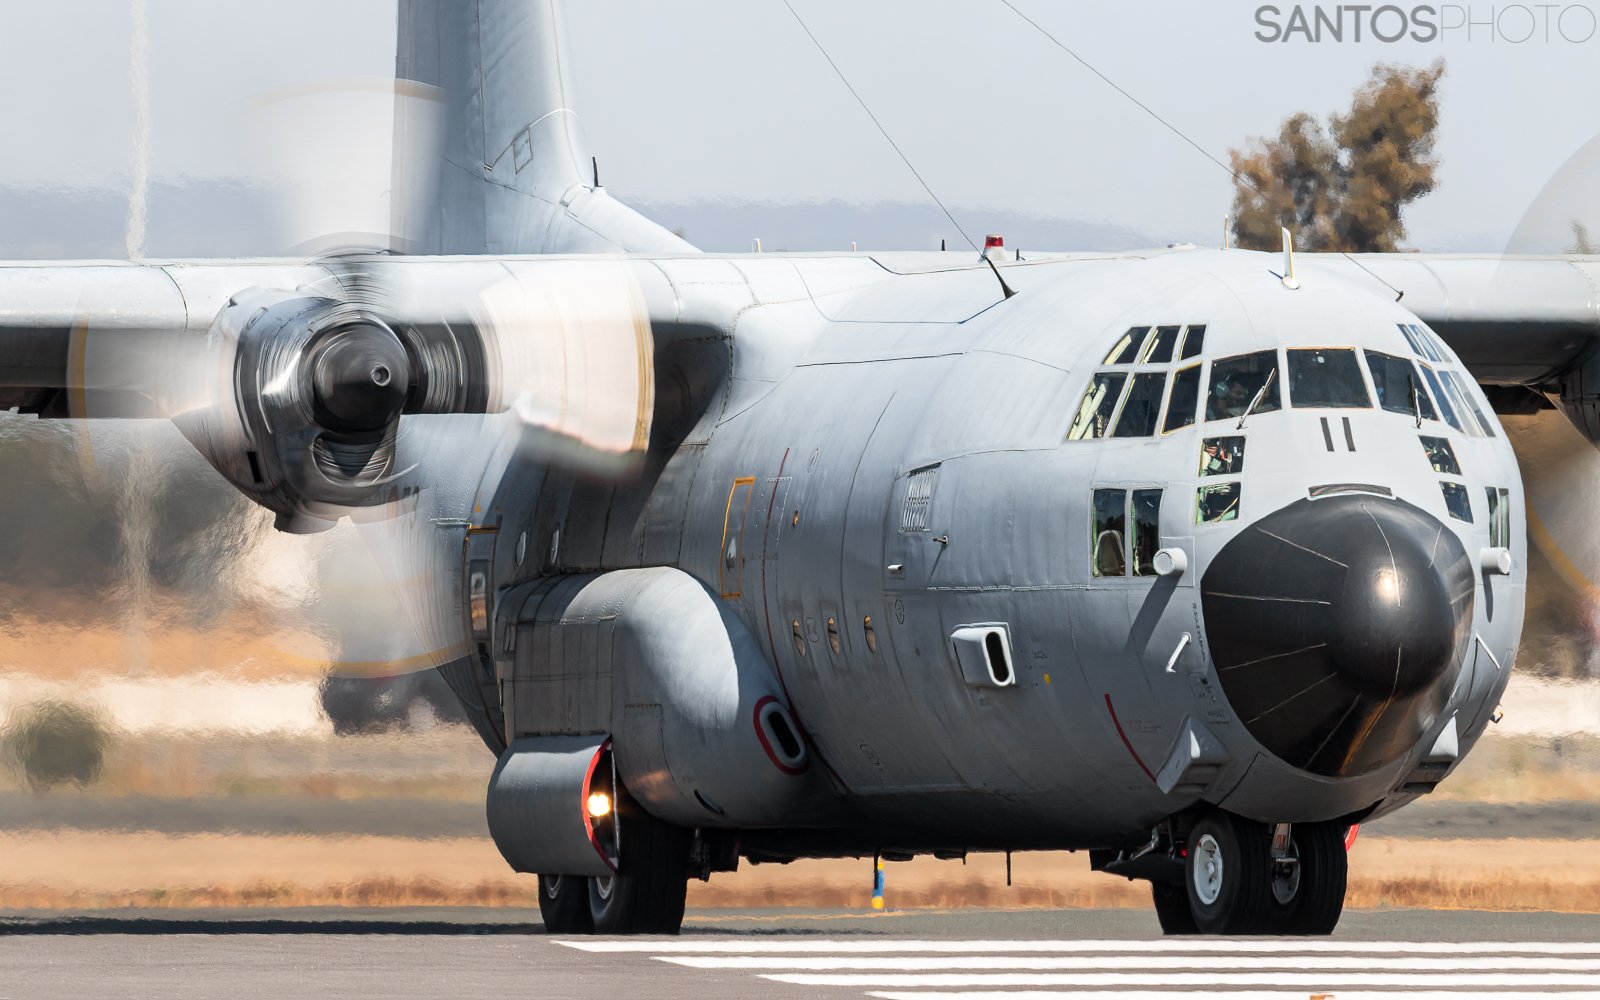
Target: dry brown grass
x,y
99,870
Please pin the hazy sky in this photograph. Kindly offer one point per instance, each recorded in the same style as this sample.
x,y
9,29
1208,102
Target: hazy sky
x,y
727,100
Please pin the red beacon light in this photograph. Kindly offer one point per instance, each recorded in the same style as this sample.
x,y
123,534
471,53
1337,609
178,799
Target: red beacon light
x,y
994,248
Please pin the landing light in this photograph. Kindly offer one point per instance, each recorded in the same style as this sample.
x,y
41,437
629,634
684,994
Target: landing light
x,y
599,805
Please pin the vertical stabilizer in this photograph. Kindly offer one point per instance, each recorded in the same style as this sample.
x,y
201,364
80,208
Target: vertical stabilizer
x,y
503,169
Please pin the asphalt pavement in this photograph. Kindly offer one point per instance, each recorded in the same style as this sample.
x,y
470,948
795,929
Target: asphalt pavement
x,y
781,954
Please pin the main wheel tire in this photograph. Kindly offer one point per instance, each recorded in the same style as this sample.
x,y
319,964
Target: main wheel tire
x,y
1228,875
1324,871
647,893
1172,909
564,904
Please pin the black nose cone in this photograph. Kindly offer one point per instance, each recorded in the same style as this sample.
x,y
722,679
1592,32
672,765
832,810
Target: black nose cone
x,y
1337,626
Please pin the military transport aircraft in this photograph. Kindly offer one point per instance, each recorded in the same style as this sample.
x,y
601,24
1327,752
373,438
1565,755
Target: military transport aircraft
x,y
1190,559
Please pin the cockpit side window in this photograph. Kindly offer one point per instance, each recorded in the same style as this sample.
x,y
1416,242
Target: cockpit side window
x,y
1107,529
1446,410
1159,351
1143,408
1326,377
1400,388
1235,382
1128,347
1185,397
1421,342
1460,393
1099,403
1193,342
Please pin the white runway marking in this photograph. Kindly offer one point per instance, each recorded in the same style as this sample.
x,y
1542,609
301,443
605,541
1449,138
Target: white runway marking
x,y
1219,969
1197,945
1245,963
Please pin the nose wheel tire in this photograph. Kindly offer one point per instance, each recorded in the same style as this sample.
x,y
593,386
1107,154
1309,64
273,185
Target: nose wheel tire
x,y
1228,875
564,904
1234,885
1321,871
647,893
1172,908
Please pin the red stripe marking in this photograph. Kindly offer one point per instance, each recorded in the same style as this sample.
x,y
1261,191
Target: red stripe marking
x,y
1131,751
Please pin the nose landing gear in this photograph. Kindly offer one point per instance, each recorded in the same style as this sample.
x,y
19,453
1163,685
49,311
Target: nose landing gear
x,y
1237,880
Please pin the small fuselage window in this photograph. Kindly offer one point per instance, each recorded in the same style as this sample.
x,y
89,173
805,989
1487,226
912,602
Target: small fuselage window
x,y
1218,502
1145,506
1399,386
1441,456
1326,377
1457,502
1108,530
1222,456
1235,382
1499,516
1115,548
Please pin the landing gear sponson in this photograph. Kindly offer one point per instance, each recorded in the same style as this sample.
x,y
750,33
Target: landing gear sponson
x,y
1230,875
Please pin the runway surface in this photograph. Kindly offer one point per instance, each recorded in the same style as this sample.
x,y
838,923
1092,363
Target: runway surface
x,y
965,955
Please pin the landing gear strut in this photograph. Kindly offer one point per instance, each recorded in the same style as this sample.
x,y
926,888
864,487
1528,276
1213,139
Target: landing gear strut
x,y
1238,882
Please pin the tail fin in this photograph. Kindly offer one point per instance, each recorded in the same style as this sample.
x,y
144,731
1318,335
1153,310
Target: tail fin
x,y
511,175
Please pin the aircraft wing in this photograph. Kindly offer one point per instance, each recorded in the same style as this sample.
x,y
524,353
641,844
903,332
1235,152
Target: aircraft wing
x,y
1530,321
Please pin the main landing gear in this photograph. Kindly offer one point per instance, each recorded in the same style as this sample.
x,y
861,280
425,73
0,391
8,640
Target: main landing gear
x,y
1244,877
644,896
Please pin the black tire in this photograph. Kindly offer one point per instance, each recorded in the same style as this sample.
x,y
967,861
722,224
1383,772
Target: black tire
x,y
647,894
1172,909
1228,875
564,904
1324,871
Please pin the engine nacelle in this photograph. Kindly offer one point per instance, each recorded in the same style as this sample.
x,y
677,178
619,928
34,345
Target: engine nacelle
x,y
311,390
701,729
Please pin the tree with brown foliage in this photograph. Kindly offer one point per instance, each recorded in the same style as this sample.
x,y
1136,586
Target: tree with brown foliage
x,y
1342,187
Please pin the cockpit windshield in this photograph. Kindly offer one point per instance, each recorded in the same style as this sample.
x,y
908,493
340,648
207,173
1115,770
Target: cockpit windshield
x,y
1235,382
1326,377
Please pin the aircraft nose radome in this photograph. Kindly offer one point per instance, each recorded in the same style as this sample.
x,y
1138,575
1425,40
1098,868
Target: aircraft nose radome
x,y
1337,626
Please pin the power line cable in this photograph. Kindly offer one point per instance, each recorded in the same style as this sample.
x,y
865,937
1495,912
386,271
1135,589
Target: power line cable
x,y
885,132
1175,130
